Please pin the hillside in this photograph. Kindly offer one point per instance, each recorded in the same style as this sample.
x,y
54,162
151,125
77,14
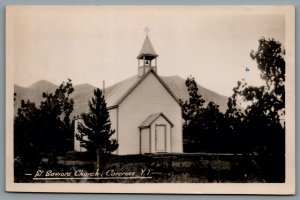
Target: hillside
x,y
84,92
177,85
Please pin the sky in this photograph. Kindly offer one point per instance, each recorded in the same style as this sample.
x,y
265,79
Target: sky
x,y
89,44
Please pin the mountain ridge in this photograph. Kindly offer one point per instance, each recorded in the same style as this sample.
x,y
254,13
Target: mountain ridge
x,y
84,92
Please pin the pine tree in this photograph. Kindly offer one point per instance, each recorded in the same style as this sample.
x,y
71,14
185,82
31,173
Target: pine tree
x,y
190,110
195,102
95,128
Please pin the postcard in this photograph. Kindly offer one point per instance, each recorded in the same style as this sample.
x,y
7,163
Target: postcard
x,y
150,99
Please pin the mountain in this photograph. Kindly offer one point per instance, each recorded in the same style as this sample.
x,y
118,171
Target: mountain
x,y
43,86
34,92
177,85
84,92
81,96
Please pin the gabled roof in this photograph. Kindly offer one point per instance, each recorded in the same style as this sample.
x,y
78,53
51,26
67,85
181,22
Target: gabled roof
x,y
147,49
113,96
151,118
124,88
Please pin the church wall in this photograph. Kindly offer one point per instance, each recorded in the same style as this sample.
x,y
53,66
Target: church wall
x,y
113,120
77,146
149,97
145,140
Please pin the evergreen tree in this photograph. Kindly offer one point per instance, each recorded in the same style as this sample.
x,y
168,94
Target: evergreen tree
x,y
202,126
190,109
95,129
195,102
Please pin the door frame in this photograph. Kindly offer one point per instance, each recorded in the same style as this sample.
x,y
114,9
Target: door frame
x,y
165,138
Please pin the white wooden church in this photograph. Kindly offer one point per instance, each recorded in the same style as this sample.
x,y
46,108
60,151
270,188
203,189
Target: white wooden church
x,y
144,112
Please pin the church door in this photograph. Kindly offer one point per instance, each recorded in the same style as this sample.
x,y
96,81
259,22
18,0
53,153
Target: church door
x,y
160,138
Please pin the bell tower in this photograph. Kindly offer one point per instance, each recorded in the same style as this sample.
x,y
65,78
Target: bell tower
x,y
147,58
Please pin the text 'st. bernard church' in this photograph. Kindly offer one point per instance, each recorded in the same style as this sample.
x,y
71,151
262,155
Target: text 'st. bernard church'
x,y
144,112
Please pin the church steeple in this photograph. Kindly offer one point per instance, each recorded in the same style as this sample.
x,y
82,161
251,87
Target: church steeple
x,y
147,57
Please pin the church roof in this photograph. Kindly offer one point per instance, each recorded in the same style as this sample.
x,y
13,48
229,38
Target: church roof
x,y
119,90
151,118
122,89
147,49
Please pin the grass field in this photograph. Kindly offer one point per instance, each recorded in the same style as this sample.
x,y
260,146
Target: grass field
x,y
164,168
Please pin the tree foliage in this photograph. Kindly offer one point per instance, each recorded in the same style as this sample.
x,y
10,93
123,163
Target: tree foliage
x,y
190,110
266,104
202,125
254,122
210,126
261,125
95,128
59,103
44,129
193,105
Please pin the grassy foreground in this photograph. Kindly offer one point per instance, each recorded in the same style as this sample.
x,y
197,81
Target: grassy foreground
x,y
152,168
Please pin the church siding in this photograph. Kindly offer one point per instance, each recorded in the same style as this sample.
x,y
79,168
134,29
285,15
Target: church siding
x,y
113,114
77,146
145,140
147,98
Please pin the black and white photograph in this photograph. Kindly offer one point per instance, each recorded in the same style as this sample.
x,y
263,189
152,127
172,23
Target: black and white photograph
x,y
150,99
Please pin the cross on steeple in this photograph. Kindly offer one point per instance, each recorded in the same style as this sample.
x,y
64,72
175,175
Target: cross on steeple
x,y
147,30
147,57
